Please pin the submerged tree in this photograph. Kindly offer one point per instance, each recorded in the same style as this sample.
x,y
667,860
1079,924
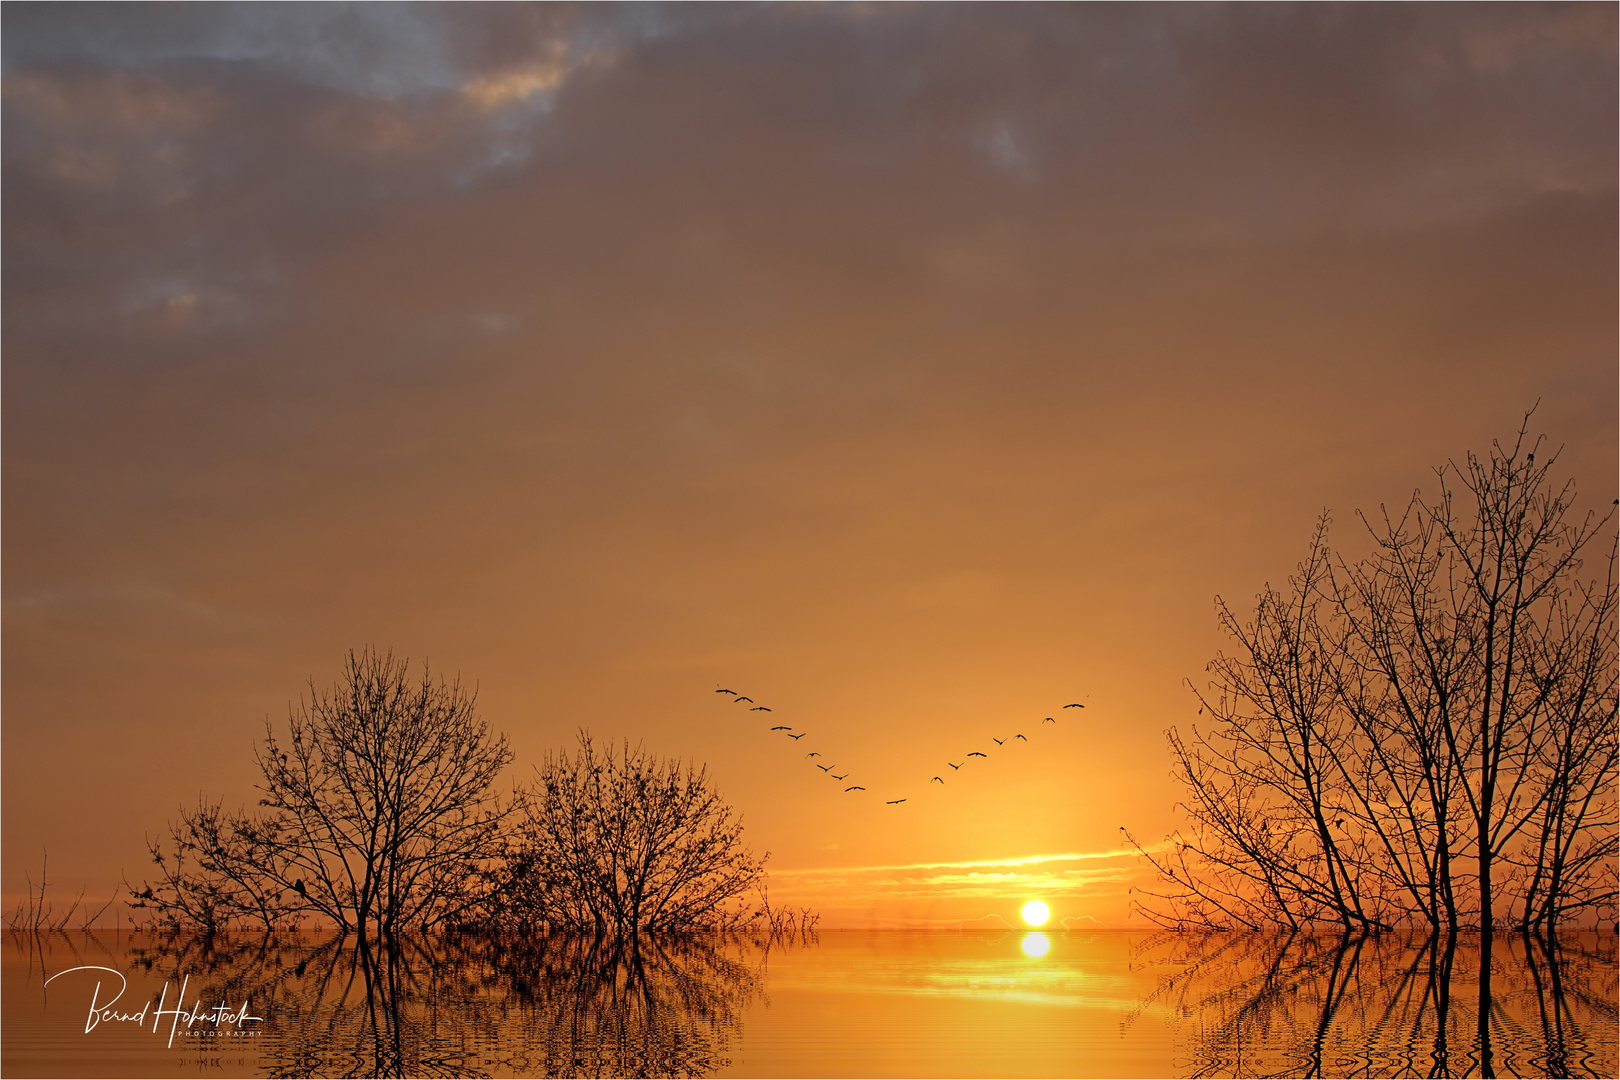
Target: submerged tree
x,y
380,813
1425,735
621,844
1265,788
216,871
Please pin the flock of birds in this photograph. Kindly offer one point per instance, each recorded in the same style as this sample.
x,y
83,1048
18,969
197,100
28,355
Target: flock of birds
x,y
810,756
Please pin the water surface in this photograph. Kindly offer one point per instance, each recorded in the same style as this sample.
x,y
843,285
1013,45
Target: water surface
x,y
836,1004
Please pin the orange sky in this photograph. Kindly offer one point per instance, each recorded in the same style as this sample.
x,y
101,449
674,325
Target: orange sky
x,y
913,370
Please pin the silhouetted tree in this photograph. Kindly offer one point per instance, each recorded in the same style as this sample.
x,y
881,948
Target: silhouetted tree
x,y
1265,788
1425,735
216,871
620,844
380,813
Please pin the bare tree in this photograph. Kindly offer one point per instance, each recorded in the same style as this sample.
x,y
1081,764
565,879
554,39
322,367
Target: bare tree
x,y
626,843
1425,735
214,872
1513,556
1267,788
380,813
38,915
1567,863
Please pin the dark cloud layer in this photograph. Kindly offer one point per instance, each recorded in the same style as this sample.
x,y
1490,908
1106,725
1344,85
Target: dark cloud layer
x,y
888,356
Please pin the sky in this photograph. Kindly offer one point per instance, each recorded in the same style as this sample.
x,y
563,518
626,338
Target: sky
x,y
913,370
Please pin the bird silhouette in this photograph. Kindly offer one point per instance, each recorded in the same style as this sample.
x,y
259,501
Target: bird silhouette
x,y
1076,705
747,699
894,802
825,768
799,736
835,776
976,754
725,691
998,742
812,754
936,778
1020,737
956,766
1049,720
781,727
855,787
759,708
298,887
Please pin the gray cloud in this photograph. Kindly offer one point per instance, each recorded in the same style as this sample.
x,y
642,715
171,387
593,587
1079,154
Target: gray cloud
x,y
383,49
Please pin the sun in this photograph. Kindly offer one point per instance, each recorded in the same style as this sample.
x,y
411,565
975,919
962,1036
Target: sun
x,y
1036,913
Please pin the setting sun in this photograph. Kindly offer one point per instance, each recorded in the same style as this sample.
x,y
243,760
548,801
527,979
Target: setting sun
x,y
1036,913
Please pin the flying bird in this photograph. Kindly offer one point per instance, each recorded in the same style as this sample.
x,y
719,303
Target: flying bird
x,y
825,768
835,776
894,802
799,736
1076,705
747,699
936,778
998,742
725,691
781,727
759,708
812,754
1049,720
855,787
976,754
956,766
1020,737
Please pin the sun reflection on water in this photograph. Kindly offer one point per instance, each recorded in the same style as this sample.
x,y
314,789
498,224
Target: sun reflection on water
x,y
1036,945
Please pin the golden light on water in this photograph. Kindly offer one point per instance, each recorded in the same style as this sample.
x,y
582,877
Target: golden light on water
x,y
1036,945
1036,914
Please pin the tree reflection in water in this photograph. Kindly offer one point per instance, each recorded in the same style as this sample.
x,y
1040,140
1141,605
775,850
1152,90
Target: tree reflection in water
x,y
469,1005
1285,1004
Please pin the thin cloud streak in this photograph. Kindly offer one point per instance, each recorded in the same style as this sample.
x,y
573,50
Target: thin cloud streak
x,y
1026,860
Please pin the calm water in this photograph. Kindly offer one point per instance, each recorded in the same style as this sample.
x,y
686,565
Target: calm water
x,y
840,1004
